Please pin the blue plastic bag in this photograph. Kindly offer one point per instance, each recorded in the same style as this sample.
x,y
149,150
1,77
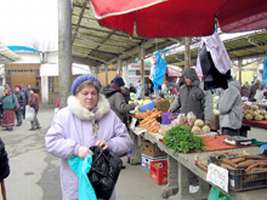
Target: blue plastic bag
x,y
159,72
81,168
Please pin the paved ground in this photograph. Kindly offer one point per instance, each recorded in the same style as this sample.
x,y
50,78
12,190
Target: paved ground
x,y
35,174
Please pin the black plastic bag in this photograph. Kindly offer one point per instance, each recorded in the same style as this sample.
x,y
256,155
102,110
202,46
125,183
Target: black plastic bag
x,y
104,172
4,167
212,77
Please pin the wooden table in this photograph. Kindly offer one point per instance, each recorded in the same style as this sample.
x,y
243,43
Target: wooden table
x,y
180,167
256,123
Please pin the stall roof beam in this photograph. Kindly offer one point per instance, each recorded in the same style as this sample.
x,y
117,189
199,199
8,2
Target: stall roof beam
x,y
79,20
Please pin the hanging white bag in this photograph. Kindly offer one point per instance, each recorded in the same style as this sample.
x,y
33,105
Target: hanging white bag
x,y
29,114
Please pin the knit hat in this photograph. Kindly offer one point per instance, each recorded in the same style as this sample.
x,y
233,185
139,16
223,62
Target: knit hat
x,y
85,78
191,74
118,81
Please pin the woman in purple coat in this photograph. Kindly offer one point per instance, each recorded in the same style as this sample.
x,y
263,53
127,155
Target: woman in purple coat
x,y
86,121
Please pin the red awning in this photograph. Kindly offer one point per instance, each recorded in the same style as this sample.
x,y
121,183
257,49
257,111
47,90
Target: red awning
x,y
172,18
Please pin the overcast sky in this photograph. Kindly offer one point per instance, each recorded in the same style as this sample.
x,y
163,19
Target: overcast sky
x,y
29,22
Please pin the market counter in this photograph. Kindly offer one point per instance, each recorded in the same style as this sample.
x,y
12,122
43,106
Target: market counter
x,y
180,166
256,123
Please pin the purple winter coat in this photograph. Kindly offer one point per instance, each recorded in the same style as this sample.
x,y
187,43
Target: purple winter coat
x,y
74,126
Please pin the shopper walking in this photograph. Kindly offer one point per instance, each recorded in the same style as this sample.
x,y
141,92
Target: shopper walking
x,y
34,103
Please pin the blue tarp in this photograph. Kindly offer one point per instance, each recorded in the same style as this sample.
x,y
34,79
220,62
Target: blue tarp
x,y
17,48
264,75
159,72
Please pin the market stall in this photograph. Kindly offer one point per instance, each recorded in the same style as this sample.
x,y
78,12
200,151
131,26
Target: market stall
x,y
254,115
180,164
189,146
259,123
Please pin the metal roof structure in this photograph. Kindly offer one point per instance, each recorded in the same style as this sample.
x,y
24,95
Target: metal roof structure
x,y
6,55
245,46
95,45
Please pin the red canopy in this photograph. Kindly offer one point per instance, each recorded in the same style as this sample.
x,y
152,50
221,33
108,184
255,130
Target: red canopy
x,y
172,18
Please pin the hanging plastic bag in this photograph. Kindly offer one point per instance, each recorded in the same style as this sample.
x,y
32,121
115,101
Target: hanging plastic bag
x,y
29,114
216,194
160,68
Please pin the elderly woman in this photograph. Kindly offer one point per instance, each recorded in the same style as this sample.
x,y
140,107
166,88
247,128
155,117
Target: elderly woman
x,y
86,121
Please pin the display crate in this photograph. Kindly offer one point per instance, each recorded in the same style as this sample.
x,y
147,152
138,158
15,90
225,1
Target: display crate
x,y
241,181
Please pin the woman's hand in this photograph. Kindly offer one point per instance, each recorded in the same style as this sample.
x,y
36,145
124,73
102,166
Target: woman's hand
x,y
102,144
83,152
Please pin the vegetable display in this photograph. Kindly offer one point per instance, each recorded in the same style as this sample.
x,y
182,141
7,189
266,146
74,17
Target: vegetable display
x,y
149,121
180,139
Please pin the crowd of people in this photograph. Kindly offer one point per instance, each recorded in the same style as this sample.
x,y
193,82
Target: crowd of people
x,y
13,102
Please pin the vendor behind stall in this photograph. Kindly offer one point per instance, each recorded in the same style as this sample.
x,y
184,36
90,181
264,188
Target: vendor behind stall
x,y
230,108
116,97
190,98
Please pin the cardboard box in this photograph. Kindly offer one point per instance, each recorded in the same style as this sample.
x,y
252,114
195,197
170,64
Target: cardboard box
x,y
151,149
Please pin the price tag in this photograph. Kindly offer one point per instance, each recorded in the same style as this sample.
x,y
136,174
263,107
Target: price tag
x,y
218,176
133,123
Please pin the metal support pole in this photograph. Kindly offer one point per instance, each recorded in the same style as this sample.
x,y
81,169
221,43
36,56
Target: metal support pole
x,y
187,52
64,48
142,55
106,74
240,70
119,67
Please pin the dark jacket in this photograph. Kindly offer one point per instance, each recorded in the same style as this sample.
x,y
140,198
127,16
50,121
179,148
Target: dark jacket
x,y
34,101
190,98
21,98
118,103
4,167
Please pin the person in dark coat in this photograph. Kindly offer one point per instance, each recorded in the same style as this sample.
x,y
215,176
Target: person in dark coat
x,y
253,90
21,104
190,98
117,100
34,103
4,166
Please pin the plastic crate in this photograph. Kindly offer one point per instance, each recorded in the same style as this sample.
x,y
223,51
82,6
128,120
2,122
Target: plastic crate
x,y
241,181
146,161
159,171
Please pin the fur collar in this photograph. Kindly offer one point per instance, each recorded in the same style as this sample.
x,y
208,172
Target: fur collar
x,y
82,113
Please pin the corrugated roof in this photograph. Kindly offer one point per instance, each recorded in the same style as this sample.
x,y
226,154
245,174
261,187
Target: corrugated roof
x,y
245,46
96,45
6,55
